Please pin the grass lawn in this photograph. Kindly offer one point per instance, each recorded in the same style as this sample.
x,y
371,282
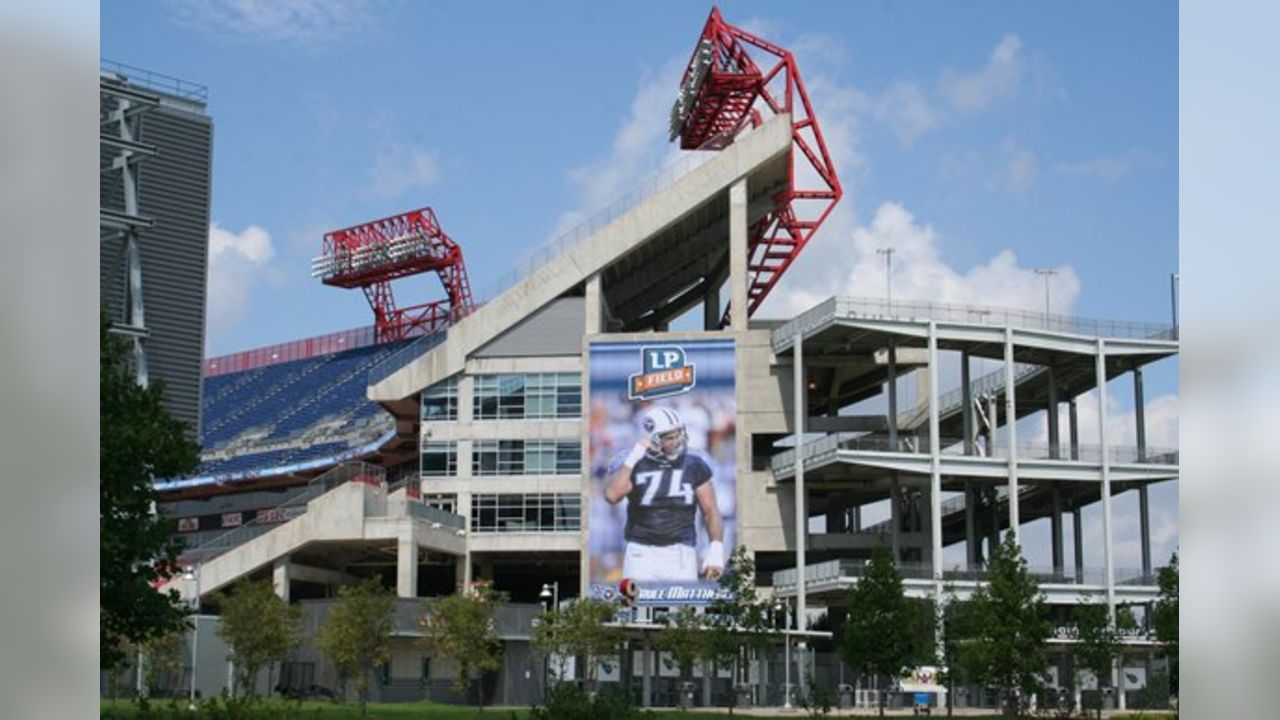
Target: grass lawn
x,y
282,710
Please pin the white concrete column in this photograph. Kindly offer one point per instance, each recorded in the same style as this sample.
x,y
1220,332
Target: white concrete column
x,y
407,567
738,278
592,298
1107,531
280,578
1055,440
966,402
801,515
1011,421
935,480
1055,530
1144,510
895,517
1077,542
891,389
970,524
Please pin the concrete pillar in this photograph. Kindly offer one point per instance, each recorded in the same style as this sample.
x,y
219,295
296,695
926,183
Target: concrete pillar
x,y
594,307
280,578
895,518
406,567
1055,439
970,524
891,390
1055,524
1144,509
1139,414
1011,422
738,278
966,401
1073,425
708,670
935,482
711,308
855,518
1078,542
1107,533
993,412
462,570
801,500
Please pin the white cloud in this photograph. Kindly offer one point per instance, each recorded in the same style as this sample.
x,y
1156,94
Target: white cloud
x,y
401,168
919,272
237,261
1019,168
998,79
640,148
1107,167
293,21
906,110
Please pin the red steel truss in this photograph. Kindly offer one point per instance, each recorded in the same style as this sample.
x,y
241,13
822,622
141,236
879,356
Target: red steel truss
x,y
371,255
720,91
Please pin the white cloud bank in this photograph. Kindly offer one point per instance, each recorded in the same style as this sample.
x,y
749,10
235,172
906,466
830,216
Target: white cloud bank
x,y
294,21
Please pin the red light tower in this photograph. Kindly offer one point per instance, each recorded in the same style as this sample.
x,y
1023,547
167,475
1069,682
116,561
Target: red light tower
x,y
718,97
371,255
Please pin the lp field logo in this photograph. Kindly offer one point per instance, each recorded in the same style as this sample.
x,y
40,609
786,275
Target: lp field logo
x,y
666,372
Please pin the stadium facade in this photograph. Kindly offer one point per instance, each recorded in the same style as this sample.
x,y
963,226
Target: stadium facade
x,y
482,451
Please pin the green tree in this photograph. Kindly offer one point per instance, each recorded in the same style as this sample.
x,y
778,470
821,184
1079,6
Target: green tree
x,y
1164,617
138,442
741,619
164,654
685,637
1098,639
356,634
578,630
461,627
956,630
882,628
261,629
1010,628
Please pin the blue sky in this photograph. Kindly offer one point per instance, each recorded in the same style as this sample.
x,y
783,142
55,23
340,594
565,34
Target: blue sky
x,y
980,140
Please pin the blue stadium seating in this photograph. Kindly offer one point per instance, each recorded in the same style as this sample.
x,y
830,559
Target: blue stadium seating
x,y
253,412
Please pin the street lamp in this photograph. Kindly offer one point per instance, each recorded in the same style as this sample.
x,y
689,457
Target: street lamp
x,y
550,597
1046,273
779,606
887,252
1173,297
193,574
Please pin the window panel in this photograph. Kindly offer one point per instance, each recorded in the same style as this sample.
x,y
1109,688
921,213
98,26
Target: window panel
x,y
440,401
533,512
439,459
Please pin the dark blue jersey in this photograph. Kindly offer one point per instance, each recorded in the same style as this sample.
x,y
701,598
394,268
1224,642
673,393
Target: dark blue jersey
x,y
662,503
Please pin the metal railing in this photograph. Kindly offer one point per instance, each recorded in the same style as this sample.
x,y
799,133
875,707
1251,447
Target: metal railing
x,y
818,450
168,84
837,307
837,570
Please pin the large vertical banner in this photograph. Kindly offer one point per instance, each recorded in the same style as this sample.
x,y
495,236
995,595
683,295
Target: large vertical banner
x,y
663,498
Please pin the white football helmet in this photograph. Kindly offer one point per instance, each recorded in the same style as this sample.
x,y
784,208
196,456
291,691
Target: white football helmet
x,y
658,421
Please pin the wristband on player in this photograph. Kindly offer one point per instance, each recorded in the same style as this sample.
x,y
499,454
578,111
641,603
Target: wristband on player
x,y
637,453
715,554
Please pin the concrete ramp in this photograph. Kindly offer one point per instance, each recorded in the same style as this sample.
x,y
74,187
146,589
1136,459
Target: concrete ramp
x,y
355,514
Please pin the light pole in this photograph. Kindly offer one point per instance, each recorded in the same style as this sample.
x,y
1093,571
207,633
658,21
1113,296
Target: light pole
x,y
786,644
550,597
193,573
1173,298
887,252
1046,273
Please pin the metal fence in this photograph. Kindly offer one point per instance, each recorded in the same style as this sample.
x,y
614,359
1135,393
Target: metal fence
x,y
919,311
168,84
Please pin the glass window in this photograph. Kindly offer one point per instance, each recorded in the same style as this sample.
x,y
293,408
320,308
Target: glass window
x,y
526,457
443,501
533,512
531,396
439,459
440,401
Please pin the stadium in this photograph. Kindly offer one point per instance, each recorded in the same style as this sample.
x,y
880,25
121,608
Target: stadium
x,y
467,440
